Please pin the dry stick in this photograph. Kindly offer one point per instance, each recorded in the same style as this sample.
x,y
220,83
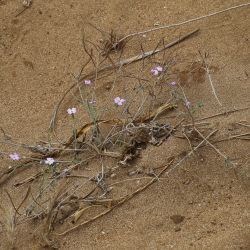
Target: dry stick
x,y
246,139
236,137
210,79
29,179
5,175
77,176
212,85
239,137
5,136
136,179
25,198
23,10
184,22
119,203
189,142
155,51
242,124
22,202
223,113
11,201
76,216
197,123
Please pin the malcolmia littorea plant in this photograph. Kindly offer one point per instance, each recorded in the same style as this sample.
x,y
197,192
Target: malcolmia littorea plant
x,y
119,101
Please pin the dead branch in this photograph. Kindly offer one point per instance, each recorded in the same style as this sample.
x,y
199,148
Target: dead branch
x,y
184,22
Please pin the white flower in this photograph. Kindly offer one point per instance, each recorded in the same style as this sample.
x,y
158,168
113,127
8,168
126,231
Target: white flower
x,y
49,161
71,111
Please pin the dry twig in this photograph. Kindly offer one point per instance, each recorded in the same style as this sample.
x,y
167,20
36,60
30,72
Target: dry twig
x,y
184,22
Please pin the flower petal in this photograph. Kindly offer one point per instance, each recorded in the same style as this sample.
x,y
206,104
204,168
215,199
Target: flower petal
x,y
159,68
87,82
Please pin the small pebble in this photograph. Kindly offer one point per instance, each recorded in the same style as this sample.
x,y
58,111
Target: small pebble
x,y
177,219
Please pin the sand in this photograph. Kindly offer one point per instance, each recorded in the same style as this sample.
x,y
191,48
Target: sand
x,y
41,49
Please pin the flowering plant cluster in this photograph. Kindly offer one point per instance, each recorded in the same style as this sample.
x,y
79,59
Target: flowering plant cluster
x,y
119,101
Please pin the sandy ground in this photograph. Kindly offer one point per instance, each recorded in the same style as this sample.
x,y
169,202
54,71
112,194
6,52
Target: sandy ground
x,y
41,49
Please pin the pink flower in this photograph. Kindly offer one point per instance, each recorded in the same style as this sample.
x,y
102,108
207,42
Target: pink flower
x,y
119,101
156,70
87,82
172,83
71,111
15,156
159,68
49,161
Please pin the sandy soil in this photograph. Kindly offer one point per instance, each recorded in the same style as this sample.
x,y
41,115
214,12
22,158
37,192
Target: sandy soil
x,y
41,49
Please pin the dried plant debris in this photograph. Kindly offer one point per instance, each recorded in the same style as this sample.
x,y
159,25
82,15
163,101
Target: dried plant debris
x,y
112,44
152,133
27,3
136,171
66,209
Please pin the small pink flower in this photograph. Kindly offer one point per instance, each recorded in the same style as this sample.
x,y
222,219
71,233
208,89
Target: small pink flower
x,y
156,70
119,101
159,68
71,111
172,83
49,161
87,82
15,157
